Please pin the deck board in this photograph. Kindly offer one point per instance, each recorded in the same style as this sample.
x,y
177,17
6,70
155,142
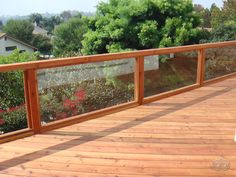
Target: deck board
x,y
187,135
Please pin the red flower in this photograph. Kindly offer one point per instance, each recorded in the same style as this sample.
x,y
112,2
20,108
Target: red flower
x,y
72,104
13,108
2,121
2,111
69,103
17,107
80,94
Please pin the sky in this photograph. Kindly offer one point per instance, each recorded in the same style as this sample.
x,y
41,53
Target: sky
x,y
26,7
208,3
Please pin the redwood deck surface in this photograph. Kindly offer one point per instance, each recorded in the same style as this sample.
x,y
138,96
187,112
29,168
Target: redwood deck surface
x,y
191,134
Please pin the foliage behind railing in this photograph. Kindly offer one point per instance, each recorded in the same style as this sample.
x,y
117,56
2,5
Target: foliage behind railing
x,y
72,90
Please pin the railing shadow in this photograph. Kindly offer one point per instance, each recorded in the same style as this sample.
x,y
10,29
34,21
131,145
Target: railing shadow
x,y
87,138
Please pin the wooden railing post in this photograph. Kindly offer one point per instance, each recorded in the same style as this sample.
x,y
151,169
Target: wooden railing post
x,y
201,67
139,80
32,100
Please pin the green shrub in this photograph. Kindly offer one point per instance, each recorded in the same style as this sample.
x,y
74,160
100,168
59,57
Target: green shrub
x,y
13,120
70,100
12,94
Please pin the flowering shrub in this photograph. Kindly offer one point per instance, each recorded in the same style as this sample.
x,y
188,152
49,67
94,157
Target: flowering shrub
x,y
72,105
59,104
13,119
71,100
12,111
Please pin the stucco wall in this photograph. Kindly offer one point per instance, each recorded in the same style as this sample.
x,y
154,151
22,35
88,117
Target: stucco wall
x,y
8,43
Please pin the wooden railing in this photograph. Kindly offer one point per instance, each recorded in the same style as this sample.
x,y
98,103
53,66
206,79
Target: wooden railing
x,y
31,87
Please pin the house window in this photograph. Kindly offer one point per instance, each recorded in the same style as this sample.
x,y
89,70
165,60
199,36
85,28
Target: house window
x,y
5,38
11,48
22,51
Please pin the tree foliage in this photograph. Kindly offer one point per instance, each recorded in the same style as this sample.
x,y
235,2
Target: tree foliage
x,y
223,33
50,23
204,14
225,15
217,18
229,10
1,25
140,24
223,22
12,89
12,109
68,36
65,16
36,18
20,29
42,43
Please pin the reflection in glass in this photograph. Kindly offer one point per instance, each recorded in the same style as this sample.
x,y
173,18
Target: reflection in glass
x,y
169,72
220,61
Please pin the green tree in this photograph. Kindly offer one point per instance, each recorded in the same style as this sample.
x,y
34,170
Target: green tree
x,y
229,12
12,89
65,15
229,9
68,36
223,33
12,109
50,23
204,14
217,18
121,25
1,25
19,29
42,43
223,22
36,18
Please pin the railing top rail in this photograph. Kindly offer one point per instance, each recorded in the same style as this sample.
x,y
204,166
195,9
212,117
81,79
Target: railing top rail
x,y
106,57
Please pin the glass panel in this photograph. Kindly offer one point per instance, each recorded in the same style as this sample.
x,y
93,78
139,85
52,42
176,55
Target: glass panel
x,y
12,105
220,61
169,72
74,90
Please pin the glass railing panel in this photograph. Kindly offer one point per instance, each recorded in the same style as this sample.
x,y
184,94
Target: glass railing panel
x,y
164,73
220,62
74,90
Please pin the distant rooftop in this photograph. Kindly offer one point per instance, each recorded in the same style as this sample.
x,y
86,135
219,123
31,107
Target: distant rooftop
x,y
17,40
2,34
39,30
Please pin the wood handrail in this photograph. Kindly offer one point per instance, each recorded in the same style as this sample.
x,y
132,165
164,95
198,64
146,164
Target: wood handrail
x,y
31,85
106,57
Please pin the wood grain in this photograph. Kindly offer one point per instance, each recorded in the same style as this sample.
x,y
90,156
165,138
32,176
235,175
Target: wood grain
x,y
186,135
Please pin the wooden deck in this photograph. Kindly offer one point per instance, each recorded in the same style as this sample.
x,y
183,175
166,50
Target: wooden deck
x,y
191,134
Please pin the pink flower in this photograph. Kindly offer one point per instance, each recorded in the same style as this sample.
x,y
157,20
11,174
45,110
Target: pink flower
x,y
80,94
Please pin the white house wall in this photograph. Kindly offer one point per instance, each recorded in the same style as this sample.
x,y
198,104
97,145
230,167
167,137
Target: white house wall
x,y
8,43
